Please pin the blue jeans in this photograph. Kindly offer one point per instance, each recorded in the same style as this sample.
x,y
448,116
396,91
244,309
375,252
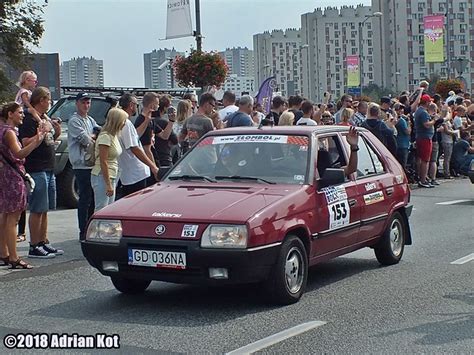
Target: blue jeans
x,y
402,156
100,190
85,207
43,197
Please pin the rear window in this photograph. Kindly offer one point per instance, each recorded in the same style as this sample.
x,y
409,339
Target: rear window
x,y
66,107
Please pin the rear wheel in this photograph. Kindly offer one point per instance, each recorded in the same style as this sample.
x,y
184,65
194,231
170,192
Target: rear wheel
x,y
287,280
130,286
390,248
68,192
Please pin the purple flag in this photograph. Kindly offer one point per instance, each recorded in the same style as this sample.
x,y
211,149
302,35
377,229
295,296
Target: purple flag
x,y
265,93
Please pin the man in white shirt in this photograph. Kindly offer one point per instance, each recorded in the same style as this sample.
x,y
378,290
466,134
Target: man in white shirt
x,y
228,100
134,164
308,112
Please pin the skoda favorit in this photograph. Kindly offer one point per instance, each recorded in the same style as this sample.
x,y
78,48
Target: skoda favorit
x,y
249,205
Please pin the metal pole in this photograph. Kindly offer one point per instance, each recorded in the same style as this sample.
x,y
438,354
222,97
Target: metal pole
x,y
198,27
172,73
360,57
448,55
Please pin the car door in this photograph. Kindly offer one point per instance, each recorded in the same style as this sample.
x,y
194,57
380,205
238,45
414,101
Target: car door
x,y
338,207
374,184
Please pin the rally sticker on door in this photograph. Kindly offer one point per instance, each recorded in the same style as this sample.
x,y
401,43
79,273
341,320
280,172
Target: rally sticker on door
x,y
335,193
189,230
373,197
339,214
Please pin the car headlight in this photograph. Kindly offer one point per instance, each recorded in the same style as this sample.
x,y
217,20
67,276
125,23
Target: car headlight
x,y
104,231
225,236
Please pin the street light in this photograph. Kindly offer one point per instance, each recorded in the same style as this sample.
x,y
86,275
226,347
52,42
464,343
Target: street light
x,y
361,24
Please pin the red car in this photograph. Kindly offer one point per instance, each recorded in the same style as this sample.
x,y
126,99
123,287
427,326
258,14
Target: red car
x,y
249,205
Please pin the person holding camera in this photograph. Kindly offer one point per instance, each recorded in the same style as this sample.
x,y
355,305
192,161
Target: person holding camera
x,y
82,131
13,195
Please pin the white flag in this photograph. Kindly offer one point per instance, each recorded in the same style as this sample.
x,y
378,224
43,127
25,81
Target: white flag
x,y
178,23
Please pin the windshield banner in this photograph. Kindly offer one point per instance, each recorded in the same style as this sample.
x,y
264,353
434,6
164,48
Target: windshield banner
x,y
178,22
254,138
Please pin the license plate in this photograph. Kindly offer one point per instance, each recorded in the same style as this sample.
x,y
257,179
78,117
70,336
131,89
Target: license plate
x,y
157,258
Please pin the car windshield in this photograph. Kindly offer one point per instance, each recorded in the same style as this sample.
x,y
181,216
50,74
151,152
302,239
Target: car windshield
x,y
265,159
65,107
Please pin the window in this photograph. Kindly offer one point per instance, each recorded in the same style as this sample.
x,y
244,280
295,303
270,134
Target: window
x,y
368,162
330,154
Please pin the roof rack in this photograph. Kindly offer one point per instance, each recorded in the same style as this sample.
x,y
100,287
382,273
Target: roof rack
x,y
107,90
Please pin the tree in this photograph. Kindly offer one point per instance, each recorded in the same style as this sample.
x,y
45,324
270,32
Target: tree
x,y
21,26
443,87
376,92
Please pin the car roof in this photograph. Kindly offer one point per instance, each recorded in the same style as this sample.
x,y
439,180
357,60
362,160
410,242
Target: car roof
x,y
296,130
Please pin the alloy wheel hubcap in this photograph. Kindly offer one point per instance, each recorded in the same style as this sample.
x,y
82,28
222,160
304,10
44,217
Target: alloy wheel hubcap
x,y
396,240
294,270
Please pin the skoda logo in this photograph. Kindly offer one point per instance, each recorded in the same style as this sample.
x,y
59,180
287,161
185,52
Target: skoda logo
x,y
160,229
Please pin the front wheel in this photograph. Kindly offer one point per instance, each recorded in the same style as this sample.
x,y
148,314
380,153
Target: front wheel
x,y
287,280
130,286
390,248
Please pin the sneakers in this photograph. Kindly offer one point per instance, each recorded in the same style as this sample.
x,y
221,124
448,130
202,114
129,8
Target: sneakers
x,y
38,251
425,185
50,249
434,182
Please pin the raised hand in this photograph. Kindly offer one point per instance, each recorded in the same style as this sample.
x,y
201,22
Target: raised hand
x,y
352,137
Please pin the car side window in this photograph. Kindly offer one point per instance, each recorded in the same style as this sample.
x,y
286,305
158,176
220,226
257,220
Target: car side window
x,y
330,154
368,161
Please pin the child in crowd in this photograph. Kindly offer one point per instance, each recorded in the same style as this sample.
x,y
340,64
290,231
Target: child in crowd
x,y
27,83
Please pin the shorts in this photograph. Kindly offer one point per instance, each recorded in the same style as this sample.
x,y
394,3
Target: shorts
x,y
43,197
434,152
423,149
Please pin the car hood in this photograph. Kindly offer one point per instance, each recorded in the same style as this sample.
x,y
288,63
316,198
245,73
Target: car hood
x,y
197,202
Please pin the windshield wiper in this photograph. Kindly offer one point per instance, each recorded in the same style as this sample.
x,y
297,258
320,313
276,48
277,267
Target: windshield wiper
x,y
190,177
237,177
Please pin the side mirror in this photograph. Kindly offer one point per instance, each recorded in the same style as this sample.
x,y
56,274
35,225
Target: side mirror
x,y
331,177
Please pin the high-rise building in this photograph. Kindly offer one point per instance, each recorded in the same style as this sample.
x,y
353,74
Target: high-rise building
x,y
402,63
82,71
279,54
239,84
328,36
156,78
240,61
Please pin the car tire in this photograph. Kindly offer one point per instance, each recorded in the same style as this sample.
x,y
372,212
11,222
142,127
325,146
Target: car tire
x,y
389,249
287,280
68,194
130,286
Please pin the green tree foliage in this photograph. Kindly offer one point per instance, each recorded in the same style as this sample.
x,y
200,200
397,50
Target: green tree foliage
x,y
21,26
443,87
375,92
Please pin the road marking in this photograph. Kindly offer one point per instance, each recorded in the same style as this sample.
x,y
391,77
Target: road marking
x,y
276,338
464,260
451,202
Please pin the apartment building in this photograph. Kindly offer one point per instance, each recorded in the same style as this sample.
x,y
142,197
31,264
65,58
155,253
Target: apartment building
x,y
240,61
278,53
240,84
328,36
400,41
84,71
156,77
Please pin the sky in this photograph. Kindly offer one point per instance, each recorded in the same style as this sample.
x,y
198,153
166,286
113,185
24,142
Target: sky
x,y
120,31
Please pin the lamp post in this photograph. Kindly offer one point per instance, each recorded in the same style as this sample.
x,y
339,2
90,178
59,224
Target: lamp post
x,y
361,24
397,74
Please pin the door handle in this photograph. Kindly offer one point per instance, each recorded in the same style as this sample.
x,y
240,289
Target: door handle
x,y
352,202
389,191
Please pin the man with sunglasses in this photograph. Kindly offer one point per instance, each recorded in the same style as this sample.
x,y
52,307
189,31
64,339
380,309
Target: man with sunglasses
x,y
199,124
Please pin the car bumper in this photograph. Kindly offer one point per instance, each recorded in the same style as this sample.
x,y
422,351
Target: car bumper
x,y
244,266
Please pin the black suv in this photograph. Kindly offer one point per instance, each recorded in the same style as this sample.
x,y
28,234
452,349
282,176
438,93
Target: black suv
x,y
102,100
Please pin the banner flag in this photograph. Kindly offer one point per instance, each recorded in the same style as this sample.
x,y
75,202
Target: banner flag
x,y
434,39
178,21
265,93
353,71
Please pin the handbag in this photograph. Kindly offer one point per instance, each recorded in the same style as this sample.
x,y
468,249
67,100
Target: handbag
x,y
29,182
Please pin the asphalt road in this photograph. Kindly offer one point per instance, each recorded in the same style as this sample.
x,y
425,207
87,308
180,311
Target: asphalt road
x,y
424,304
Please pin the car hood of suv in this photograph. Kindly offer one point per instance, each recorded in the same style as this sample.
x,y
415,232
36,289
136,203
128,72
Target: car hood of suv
x,y
197,202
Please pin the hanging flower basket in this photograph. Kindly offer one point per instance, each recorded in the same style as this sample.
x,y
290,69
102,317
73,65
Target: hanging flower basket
x,y
200,69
